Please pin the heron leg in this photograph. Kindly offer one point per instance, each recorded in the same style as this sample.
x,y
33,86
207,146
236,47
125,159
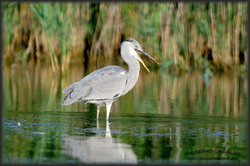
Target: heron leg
x,y
108,107
97,124
108,134
98,109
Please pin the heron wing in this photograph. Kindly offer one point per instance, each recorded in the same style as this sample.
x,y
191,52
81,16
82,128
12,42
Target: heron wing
x,y
105,83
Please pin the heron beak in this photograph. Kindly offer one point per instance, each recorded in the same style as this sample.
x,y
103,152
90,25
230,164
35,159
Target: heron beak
x,y
139,58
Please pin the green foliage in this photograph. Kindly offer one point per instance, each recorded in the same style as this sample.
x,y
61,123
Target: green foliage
x,y
51,17
146,22
8,28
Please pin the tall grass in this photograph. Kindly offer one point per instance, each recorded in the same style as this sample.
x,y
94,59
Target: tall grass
x,y
54,19
176,34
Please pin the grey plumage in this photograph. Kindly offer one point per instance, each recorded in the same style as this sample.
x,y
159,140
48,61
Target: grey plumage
x,y
104,86
98,86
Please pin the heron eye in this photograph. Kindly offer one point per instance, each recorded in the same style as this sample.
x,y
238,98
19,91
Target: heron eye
x,y
135,46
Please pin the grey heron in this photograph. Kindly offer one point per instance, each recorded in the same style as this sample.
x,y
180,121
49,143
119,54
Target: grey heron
x,y
103,86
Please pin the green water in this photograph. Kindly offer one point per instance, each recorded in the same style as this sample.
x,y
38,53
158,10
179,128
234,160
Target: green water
x,y
163,119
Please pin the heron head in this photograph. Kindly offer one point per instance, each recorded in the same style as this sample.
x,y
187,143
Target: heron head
x,y
137,47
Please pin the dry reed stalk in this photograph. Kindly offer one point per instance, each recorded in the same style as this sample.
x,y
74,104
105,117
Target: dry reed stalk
x,y
182,60
102,44
57,55
51,54
233,51
30,51
38,44
213,29
175,53
145,7
16,44
76,47
225,50
87,11
117,27
179,16
45,43
237,30
229,40
186,29
194,44
165,32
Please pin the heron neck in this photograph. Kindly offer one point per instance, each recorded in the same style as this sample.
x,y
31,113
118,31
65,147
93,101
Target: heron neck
x,y
133,74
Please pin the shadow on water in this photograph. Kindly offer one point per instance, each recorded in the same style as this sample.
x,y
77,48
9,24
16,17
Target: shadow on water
x,y
163,119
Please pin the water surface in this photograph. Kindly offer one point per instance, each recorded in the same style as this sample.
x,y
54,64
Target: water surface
x,y
163,119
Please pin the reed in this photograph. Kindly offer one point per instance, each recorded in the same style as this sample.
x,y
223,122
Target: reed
x,y
179,35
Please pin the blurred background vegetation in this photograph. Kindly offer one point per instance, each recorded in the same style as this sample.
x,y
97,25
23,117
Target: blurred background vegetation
x,y
180,35
81,36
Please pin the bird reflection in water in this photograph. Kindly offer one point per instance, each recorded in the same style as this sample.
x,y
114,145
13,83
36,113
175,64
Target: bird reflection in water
x,y
98,148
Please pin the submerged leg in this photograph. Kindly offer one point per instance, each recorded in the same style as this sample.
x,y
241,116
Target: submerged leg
x,y
97,124
108,106
108,134
98,109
